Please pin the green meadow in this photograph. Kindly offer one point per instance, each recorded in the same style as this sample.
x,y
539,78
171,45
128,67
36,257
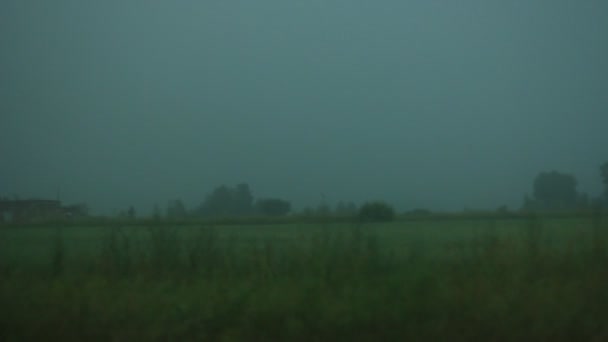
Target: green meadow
x,y
492,278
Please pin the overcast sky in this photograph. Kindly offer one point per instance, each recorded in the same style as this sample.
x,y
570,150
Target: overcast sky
x,y
440,104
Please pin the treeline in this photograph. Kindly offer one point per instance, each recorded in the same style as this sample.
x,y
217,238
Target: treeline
x,y
227,202
552,193
238,202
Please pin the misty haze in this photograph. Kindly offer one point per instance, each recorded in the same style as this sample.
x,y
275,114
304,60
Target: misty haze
x,y
302,164
422,104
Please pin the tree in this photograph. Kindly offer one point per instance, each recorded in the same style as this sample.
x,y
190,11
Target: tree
x,y
218,203
226,201
376,211
555,191
273,207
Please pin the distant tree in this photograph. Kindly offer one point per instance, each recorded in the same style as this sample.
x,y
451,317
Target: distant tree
x,y
226,201
218,203
176,209
555,191
376,211
273,207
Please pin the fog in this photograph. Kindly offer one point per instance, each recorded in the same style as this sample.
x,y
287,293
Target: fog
x,y
435,104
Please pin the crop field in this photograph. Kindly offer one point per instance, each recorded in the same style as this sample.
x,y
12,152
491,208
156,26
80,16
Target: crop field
x,y
484,279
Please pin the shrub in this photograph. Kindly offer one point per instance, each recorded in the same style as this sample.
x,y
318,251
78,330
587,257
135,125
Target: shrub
x,y
376,211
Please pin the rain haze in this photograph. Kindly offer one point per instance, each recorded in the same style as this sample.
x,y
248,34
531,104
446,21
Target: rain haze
x,y
433,104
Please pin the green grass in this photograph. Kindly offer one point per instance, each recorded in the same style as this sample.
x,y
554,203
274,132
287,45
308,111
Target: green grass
x,y
490,279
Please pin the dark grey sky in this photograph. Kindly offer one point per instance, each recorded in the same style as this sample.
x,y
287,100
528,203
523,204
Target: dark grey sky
x,y
440,104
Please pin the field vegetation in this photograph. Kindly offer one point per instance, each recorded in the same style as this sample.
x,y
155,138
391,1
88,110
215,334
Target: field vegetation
x,y
479,277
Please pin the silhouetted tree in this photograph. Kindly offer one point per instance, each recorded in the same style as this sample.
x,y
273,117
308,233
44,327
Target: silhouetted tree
x,y
218,203
226,201
376,211
273,207
555,191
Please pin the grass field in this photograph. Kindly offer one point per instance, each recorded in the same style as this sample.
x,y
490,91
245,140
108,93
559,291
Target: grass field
x,y
490,279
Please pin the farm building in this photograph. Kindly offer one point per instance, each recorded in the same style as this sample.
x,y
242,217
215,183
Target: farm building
x,y
31,210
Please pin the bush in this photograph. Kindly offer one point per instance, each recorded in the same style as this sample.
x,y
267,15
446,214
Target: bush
x,y
376,211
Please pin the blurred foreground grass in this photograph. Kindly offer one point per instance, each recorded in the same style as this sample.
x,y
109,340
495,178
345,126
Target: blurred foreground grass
x,y
532,279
